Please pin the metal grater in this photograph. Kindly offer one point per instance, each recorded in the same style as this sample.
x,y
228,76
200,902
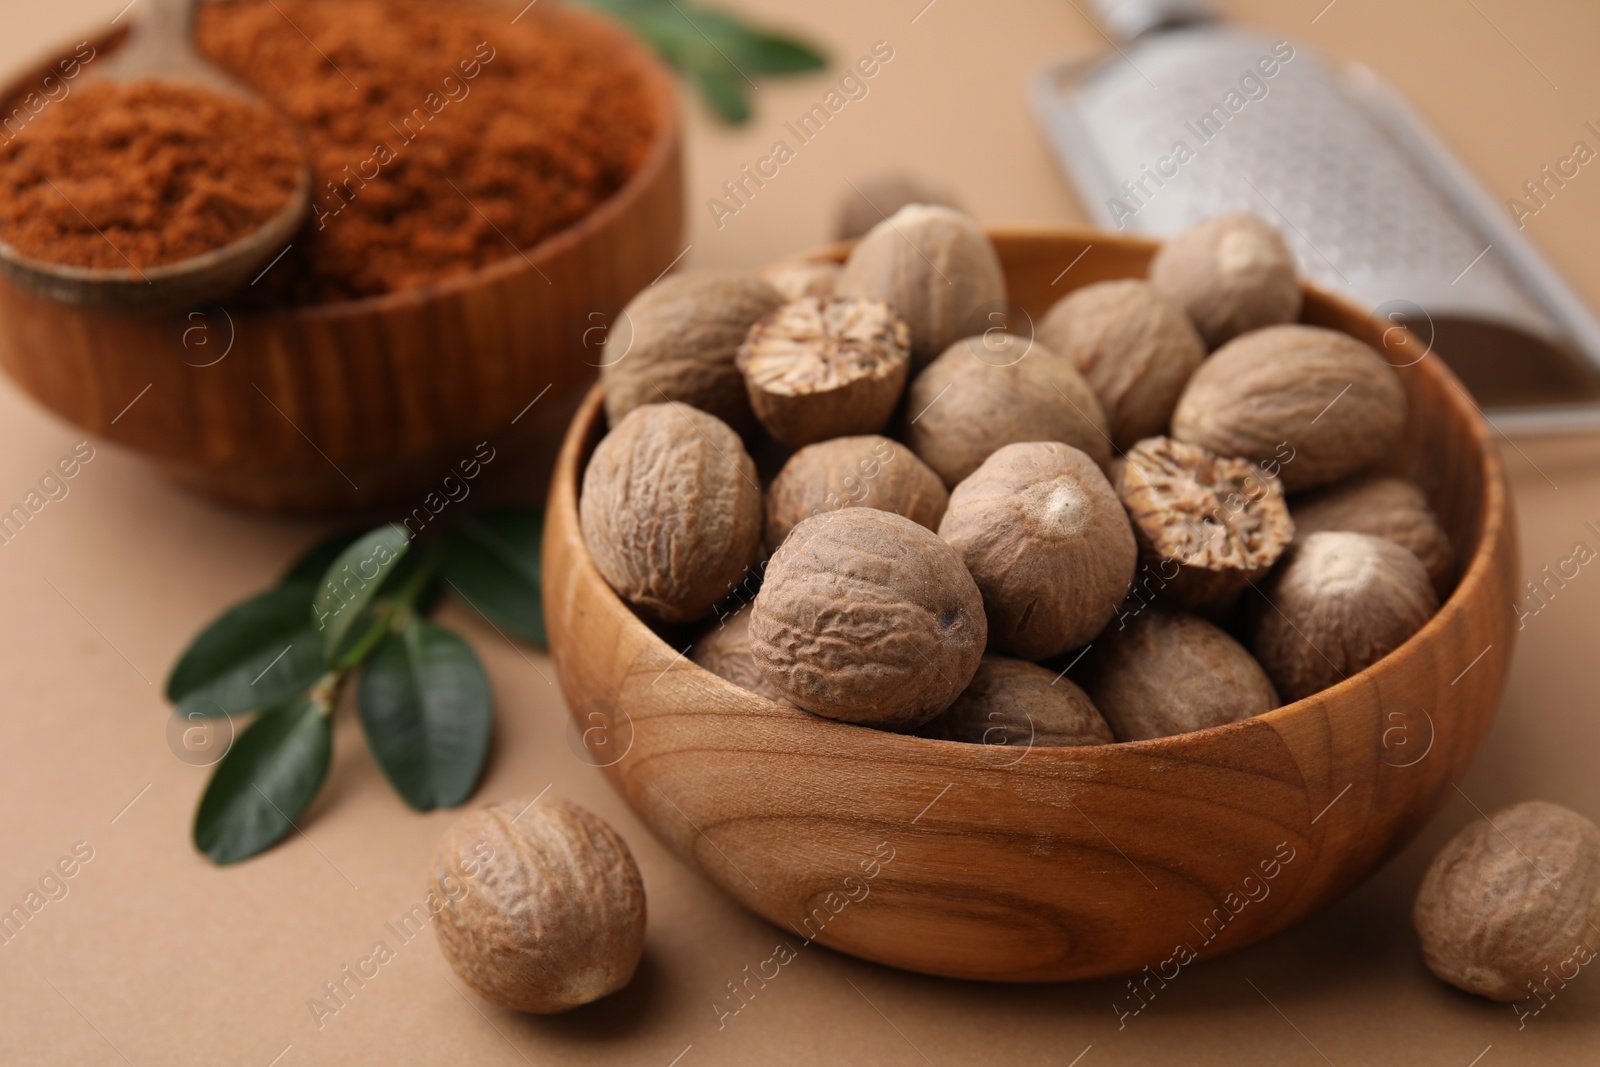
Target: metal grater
x,y
1371,201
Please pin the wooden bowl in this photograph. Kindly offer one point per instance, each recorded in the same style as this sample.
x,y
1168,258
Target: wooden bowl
x,y
978,861
362,403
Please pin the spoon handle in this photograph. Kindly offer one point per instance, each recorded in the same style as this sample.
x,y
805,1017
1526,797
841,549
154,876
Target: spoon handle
x,y
160,45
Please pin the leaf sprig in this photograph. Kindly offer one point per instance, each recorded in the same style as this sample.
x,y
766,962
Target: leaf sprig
x,y
354,606
717,50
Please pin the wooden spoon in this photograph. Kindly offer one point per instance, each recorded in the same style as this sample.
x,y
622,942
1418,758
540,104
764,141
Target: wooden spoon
x,y
160,47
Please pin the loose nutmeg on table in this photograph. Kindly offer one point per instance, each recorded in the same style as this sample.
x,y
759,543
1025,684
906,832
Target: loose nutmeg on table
x,y
1512,902
543,907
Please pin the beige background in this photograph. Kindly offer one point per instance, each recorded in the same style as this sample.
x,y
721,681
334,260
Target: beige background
x,y
156,957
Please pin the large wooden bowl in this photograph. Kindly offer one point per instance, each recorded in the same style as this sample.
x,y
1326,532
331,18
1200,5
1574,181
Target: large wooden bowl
x,y
984,862
363,403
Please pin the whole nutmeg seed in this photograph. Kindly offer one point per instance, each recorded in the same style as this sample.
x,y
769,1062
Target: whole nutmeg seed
x,y
552,915
867,471
1134,346
671,510
1231,274
984,393
1392,508
1168,673
936,268
677,339
1207,525
1318,403
1020,705
1044,536
1338,603
1512,902
724,650
822,367
873,199
796,278
866,617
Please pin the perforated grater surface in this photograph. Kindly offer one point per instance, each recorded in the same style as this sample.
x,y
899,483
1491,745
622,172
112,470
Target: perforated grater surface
x,y
1371,202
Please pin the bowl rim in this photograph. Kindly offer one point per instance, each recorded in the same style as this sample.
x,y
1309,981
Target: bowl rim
x,y
660,88
1493,517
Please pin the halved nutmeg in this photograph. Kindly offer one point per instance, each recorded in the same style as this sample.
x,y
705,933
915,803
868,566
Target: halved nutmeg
x,y
1207,524
824,367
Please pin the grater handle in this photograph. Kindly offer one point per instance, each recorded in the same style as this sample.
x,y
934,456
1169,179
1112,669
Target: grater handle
x,y
1127,19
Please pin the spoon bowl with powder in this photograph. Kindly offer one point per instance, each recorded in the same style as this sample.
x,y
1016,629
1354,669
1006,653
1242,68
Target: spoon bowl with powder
x,y
159,182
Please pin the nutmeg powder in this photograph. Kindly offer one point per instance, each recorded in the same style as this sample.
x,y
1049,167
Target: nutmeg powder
x,y
445,136
120,176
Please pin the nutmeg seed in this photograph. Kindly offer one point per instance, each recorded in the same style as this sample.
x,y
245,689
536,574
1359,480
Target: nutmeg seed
x,y
555,916
1133,345
676,340
1232,274
1337,604
671,510
936,268
796,278
724,650
1391,508
1318,403
867,617
986,392
1167,673
1044,536
872,199
1208,524
1020,705
1511,901
868,471
822,367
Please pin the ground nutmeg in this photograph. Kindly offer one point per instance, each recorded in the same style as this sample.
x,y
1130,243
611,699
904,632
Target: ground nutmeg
x,y
136,175
445,136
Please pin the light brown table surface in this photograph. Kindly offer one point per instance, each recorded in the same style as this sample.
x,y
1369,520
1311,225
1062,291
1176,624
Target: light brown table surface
x,y
156,957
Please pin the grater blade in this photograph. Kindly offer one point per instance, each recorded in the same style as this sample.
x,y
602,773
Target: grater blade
x,y
1200,120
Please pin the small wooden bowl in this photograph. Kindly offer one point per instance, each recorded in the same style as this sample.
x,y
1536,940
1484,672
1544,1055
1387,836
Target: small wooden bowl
x,y
975,861
358,404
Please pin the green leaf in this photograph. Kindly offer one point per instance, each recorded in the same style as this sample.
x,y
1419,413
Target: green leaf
x,y
493,561
718,49
256,654
314,562
752,50
427,712
348,631
265,782
724,91
770,53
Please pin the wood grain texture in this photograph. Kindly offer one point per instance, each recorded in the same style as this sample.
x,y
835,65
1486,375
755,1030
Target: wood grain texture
x,y
354,405
1050,864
